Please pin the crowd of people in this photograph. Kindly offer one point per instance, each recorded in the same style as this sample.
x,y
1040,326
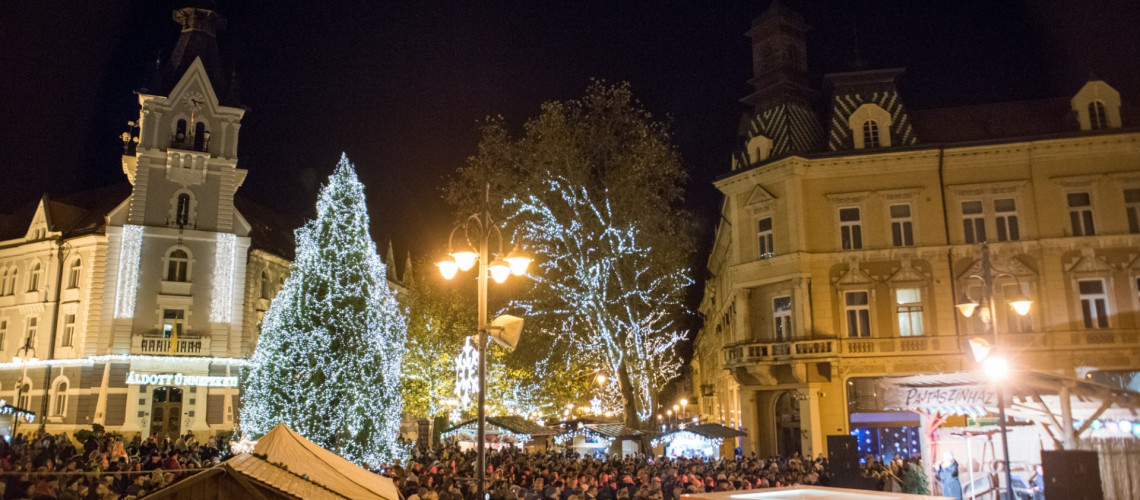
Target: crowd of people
x,y
104,467
443,473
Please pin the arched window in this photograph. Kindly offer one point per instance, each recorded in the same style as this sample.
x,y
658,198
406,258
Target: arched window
x,y
34,278
180,131
73,273
182,213
264,285
12,281
1097,118
870,134
177,265
59,399
24,398
4,283
200,136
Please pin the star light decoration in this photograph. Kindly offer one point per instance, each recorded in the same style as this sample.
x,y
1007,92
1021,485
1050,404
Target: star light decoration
x,y
466,374
243,445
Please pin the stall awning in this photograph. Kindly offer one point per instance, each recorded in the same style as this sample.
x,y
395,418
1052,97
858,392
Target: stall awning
x,y
510,423
1051,400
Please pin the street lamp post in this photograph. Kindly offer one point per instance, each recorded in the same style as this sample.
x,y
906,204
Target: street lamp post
x,y
995,366
23,358
478,229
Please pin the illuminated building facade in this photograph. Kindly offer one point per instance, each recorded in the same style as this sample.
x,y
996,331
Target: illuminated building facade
x,y
847,236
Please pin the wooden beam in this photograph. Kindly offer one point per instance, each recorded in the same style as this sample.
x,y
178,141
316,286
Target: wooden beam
x,y
1088,422
1046,410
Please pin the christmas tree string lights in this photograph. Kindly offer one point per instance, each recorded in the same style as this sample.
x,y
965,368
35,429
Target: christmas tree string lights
x,y
328,359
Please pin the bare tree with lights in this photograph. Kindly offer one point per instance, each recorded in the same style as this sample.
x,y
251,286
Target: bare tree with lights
x,y
595,186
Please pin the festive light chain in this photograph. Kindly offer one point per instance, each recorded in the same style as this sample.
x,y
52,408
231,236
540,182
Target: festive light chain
x,y
7,409
243,445
130,251
222,301
120,358
669,438
567,230
586,432
463,431
336,293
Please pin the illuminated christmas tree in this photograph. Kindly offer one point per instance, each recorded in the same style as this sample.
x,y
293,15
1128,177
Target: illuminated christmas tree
x,y
327,363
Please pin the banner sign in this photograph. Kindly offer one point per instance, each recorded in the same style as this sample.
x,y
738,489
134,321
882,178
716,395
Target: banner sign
x,y
939,398
135,378
7,409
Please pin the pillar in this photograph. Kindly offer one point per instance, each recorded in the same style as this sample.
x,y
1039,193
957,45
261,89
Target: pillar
x,y
750,421
743,324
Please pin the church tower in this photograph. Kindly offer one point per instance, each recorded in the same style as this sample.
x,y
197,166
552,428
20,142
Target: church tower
x,y
177,247
782,121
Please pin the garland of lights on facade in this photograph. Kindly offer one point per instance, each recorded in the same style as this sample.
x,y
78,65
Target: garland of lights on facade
x,y
130,250
222,302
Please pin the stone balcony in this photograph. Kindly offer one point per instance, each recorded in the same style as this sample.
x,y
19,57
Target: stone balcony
x,y
159,345
752,353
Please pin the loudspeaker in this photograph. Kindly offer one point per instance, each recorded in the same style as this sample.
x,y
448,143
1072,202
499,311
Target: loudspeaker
x,y
843,453
1072,475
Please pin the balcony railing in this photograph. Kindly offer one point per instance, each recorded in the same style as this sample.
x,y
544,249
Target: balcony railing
x,y
190,142
158,345
775,352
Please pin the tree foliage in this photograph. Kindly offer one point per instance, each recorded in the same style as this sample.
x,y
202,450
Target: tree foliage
x,y
594,187
329,353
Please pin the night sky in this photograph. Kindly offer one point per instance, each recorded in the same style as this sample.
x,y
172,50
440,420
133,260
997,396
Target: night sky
x,y
401,86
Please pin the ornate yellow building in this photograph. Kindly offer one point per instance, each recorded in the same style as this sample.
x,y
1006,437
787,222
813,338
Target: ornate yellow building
x,y
845,243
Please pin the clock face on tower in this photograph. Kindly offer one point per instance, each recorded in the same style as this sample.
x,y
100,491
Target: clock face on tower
x,y
196,100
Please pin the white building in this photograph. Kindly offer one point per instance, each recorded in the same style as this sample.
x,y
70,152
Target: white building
x,y
133,306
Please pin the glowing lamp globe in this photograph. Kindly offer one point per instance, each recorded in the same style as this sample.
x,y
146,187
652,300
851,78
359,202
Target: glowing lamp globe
x,y
448,268
996,367
967,307
1021,305
499,270
601,378
465,259
518,261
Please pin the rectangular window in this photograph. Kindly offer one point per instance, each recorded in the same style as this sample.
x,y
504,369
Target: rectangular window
x,y
850,228
1016,322
973,221
764,231
857,305
902,227
1005,214
68,330
3,333
782,316
1094,304
172,320
909,310
1080,214
1132,206
33,323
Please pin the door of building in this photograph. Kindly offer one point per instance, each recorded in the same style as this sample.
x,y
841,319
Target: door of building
x,y
166,413
788,434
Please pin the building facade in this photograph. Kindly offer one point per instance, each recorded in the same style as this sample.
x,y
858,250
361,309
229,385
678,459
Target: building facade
x,y
851,226
134,306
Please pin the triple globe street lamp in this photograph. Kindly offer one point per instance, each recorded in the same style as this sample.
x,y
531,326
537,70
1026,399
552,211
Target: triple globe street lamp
x,y
994,364
478,229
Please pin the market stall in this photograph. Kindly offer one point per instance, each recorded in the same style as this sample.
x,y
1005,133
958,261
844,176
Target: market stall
x,y
698,440
588,437
500,432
